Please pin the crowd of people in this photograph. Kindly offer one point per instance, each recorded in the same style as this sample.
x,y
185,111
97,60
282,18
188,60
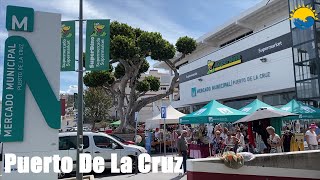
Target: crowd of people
x,y
237,139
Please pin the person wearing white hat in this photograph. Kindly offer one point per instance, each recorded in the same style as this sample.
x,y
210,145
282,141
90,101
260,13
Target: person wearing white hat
x,y
312,138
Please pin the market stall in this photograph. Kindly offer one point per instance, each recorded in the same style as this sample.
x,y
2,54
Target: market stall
x,y
158,142
305,111
297,126
213,112
275,122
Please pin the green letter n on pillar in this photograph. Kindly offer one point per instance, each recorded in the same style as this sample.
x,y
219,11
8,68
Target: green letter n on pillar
x,y
19,19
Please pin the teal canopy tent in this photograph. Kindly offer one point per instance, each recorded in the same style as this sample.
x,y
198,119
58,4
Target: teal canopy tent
x,y
214,112
304,111
257,104
116,123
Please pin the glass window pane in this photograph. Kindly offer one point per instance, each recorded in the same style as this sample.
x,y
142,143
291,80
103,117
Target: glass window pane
x,y
308,89
73,142
306,70
103,142
300,36
85,142
239,103
63,143
296,3
286,97
304,52
317,8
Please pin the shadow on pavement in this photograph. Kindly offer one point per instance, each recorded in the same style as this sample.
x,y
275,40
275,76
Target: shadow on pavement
x,y
178,177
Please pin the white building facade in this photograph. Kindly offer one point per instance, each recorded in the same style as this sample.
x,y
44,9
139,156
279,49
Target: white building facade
x,y
250,57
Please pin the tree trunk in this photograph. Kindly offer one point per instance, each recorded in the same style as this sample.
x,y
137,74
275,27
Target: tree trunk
x,y
121,105
93,125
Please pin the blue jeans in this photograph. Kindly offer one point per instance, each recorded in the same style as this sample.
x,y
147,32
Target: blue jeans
x,y
184,163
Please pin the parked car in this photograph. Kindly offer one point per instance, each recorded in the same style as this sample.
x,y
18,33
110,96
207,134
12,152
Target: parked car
x,y
97,144
121,139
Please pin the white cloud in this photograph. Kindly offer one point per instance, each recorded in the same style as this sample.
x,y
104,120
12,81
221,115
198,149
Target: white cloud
x,y
71,90
3,36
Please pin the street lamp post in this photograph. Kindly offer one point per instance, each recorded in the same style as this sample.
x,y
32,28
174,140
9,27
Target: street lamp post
x,y
79,175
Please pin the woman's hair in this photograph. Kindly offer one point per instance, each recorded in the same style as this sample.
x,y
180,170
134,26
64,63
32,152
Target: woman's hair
x,y
271,128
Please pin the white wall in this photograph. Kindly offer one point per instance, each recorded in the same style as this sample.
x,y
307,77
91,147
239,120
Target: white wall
x,y
279,65
251,41
281,77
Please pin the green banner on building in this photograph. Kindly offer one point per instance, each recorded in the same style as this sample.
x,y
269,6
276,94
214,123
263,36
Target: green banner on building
x,y
68,46
97,45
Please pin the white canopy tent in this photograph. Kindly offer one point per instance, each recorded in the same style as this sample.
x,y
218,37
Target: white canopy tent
x,y
173,117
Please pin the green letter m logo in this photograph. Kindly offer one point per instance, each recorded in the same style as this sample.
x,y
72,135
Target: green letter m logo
x,y
22,68
19,18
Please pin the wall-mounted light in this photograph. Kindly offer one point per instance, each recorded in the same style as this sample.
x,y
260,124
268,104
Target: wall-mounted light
x,y
263,60
200,79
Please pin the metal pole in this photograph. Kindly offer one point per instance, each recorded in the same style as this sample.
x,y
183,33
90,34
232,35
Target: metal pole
x,y
164,137
136,130
80,95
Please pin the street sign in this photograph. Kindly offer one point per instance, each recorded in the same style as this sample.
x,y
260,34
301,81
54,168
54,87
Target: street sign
x,y
163,112
136,114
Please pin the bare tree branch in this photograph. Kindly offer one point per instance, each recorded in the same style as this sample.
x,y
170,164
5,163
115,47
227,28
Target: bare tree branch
x,y
179,59
174,83
113,61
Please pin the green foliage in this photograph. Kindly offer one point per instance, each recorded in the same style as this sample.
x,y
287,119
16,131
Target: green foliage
x,y
119,71
97,104
98,78
186,45
154,83
123,47
149,83
144,67
149,41
121,29
143,86
164,51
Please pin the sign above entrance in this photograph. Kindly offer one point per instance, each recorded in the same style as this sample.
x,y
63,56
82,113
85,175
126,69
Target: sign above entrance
x,y
275,45
223,64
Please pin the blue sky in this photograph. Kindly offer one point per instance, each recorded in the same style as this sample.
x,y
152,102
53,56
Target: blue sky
x,y
172,18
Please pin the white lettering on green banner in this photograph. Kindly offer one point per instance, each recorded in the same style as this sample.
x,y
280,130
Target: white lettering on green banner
x,y
19,19
97,45
68,46
21,67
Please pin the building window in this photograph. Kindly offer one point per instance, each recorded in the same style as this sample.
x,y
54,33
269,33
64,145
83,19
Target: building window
x,y
236,39
304,52
279,99
299,36
308,89
239,103
163,88
306,70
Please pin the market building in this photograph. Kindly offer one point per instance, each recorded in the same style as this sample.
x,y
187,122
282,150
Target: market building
x,y
259,54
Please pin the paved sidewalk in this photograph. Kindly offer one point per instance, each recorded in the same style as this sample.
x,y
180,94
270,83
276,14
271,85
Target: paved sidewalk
x,y
151,176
